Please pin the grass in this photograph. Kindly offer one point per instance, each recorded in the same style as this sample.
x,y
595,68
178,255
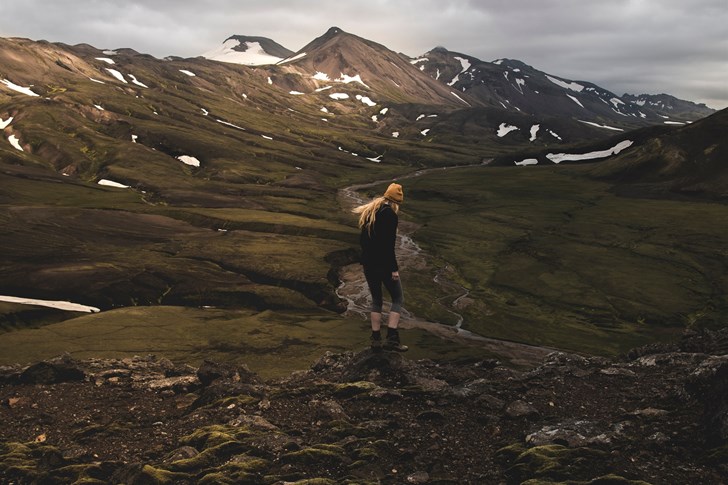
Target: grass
x,y
271,343
554,258
549,256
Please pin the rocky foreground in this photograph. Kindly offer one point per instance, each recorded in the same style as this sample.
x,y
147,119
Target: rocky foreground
x,y
659,415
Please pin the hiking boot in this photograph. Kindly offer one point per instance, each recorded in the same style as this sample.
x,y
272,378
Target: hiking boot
x,y
393,343
376,343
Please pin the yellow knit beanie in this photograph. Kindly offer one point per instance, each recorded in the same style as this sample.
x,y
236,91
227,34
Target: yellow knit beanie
x,y
394,193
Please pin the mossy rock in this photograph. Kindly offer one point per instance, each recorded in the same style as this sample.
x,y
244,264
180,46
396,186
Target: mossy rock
x,y
340,429
157,476
315,481
210,436
25,462
321,453
366,454
241,469
209,458
616,480
554,462
350,389
605,480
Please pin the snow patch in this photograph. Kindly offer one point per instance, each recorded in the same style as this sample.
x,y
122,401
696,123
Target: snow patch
x,y
574,100
266,137
323,89
134,138
563,157
254,54
554,134
606,127
528,161
339,96
189,73
5,123
384,111
425,132
395,134
465,66
106,60
59,305
366,100
136,81
504,129
534,132
461,99
231,125
321,76
117,75
188,160
99,107
566,85
294,58
296,93
674,123
111,183
421,59
96,81
376,160
27,91
15,142
346,79
204,112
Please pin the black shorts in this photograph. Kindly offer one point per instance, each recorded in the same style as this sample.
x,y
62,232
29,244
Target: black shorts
x,y
375,279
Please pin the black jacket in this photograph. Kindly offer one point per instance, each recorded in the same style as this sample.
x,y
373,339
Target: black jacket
x,y
378,247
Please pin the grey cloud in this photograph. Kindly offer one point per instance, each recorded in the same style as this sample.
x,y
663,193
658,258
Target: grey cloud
x,y
624,45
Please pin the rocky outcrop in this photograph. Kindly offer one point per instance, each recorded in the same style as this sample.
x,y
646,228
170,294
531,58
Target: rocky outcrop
x,y
656,416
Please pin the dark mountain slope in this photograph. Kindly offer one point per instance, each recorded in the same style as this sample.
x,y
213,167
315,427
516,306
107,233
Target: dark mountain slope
x,y
514,85
690,160
269,46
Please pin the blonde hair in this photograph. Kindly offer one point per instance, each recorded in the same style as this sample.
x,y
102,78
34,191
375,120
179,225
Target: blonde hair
x,y
368,212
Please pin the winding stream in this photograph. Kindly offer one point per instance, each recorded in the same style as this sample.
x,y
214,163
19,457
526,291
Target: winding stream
x,y
410,256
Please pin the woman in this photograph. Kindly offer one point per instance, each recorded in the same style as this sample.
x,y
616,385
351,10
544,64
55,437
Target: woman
x,y
378,223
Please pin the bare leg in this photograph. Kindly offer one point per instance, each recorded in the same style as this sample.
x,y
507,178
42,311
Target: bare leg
x,y
393,321
376,319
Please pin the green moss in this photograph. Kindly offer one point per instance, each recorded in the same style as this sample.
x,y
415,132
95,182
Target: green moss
x,y
314,481
553,462
209,458
156,476
209,436
616,480
241,469
322,453
349,389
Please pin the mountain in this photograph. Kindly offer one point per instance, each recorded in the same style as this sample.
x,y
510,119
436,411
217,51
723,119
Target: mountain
x,y
249,51
687,160
515,86
338,58
668,106
129,182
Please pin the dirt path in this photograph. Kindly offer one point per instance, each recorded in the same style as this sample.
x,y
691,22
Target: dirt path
x,y
410,256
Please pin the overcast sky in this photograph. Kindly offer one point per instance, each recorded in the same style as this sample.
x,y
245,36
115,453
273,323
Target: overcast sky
x,y
679,47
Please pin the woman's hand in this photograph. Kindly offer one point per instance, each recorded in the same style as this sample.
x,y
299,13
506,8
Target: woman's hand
x,y
395,275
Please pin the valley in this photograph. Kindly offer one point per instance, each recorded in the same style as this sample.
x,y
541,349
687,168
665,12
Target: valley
x,y
197,204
